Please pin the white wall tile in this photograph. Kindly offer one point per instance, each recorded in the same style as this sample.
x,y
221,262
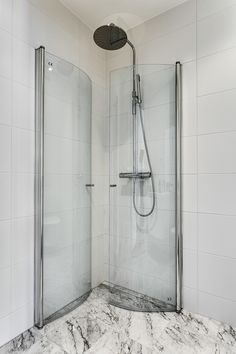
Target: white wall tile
x,y
189,80
100,131
100,218
22,291
22,319
23,239
158,123
5,148
216,234
189,156
212,117
100,162
22,151
216,153
217,72
189,117
22,195
5,101
218,32
189,193
58,158
217,276
5,299
209,7
169,21
99,259
190,299
61,115
5,330
5,14
23,63
54,200
175,46
23,106
161,152
190,269
190,225
217,194
6,243
100,192
6,51
217,308
24,21
5,192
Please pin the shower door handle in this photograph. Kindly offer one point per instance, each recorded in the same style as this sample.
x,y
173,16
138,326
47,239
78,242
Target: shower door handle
x,y
89,185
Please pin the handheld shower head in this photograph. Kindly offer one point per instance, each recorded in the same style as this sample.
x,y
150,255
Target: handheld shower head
x,y
110,37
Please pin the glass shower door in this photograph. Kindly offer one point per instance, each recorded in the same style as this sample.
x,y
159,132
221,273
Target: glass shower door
x,y
142,251
67,171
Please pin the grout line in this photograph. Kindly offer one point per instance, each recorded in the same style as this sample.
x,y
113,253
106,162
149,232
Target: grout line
x,y
217,174
215,13
201,252
219,51
216,93
217,296
233,131
217,255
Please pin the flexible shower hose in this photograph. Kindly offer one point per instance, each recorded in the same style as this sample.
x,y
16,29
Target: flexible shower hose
x,y
150,168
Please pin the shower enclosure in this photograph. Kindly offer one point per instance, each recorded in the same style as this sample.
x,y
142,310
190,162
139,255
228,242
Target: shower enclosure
x,y
145,245
145,241
62,186
145,248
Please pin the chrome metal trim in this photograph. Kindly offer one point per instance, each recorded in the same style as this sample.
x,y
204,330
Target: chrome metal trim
x,y
178,206
137,175
134,95
39,184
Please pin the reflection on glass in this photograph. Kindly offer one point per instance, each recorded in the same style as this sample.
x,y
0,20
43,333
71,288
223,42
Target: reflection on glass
x,y
142,250
67,169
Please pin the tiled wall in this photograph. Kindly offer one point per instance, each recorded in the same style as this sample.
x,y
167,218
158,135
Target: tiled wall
x,y
24,25
202,35
215,160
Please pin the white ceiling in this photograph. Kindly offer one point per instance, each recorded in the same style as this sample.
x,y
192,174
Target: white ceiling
x,y
126,13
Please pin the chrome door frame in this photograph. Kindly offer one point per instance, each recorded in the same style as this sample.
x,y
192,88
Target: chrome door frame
x,y
39,185
178,184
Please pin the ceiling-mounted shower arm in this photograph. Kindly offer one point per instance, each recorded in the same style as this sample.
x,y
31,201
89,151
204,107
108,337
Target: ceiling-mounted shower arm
x,y
134,94
134,56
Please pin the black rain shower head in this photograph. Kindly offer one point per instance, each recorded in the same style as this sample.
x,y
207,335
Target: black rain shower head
x,y
110,37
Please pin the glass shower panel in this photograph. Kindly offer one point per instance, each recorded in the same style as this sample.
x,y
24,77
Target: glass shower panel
x,y
67,170
142,251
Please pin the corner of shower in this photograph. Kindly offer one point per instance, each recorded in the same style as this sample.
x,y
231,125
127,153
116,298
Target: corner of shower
x,y
62,194
145,235
145,244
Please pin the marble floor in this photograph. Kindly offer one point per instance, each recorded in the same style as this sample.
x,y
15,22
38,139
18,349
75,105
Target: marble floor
x,y
96,327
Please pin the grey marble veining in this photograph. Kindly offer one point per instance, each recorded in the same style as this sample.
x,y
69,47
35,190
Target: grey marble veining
x,y
98,327
31,342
